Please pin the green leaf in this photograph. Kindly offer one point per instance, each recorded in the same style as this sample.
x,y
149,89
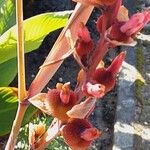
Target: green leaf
x,y
7,15
8,71
8,108
35,29
58,144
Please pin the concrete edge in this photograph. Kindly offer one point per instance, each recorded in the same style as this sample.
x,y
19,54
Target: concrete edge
x,y
125,110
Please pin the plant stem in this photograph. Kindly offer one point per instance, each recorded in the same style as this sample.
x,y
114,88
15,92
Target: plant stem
x,y
21,78
16,126
20,51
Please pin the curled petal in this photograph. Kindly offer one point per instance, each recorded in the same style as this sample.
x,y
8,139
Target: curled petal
x,y
95,90
124,30
83,109
116,64
64,92
90,134
116,38
65,97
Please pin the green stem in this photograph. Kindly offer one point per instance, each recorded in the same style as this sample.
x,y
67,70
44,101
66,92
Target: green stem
x,y
20,51
21,78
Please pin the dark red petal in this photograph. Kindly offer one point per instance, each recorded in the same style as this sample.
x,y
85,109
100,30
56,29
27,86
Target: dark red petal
x,y
72,133
116,34
116,64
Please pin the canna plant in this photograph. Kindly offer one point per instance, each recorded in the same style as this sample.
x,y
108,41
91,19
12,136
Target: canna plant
x,y
71,108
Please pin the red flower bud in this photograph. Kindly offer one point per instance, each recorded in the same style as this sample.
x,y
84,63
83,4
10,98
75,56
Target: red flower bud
x,y
117,35
79,133
108,17
136,23
59,102
84,45
104,77
96,2
124,30
99,23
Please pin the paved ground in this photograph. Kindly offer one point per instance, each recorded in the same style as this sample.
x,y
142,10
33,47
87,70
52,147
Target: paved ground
x,y
142,125
132,127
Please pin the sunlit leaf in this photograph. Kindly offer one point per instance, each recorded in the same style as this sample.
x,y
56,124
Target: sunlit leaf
x,y
35,29
7,15
8,108
8,71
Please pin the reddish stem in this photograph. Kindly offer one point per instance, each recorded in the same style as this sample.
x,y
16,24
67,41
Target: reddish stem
x,y
101,49
16,126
